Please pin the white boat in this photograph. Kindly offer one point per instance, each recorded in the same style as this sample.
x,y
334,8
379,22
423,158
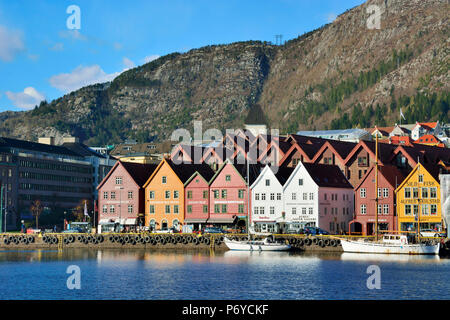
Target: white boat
x,y
390,244
257,245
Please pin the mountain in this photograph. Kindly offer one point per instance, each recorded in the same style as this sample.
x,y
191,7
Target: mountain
x,y
340,75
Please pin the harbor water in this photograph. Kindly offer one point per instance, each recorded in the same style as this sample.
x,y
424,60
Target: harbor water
x,y
203,275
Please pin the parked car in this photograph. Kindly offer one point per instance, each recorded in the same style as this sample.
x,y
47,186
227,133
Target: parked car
x,y
314,231
431,233
213,230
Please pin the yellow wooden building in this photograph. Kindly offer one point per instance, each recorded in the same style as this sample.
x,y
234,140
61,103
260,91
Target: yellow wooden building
x,y
418,199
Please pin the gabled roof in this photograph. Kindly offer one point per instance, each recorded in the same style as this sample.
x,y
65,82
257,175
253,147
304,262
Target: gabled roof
x,y
324,175
137,171
241,169
391,173
188,151
427,125
432,170
340,148
283,174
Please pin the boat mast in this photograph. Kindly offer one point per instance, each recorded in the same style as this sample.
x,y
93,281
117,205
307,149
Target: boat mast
x,y
376,187
248,200
418,202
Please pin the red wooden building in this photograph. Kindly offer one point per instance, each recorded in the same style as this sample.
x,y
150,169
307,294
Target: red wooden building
x,y
389,178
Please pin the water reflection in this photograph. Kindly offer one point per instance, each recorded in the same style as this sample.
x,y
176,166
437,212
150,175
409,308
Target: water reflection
x,y
366,257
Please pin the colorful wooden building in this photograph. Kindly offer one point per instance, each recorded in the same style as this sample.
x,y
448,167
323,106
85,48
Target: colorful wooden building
x,y
121,195
164,194
366,208
418,199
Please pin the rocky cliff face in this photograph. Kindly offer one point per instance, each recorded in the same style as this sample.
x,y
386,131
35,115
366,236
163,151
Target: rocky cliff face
x,y
306,83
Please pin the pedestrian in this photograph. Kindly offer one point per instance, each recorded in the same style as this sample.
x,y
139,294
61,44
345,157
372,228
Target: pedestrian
x,y
22,228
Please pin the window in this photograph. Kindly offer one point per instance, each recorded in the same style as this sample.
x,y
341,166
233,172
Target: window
x,y
241,194
217,208
272,210
163,179
105,195
300,182
303,211
256,196
152,209
224,193
267,182
433,192
105,208
227,177
416,209
241,208
379,193
130,194
385,193
407,209
425,210
331,226
379,209
311,196
272,196
294,196
415,193
433,209
310,211
363,209
112,209
205,208
362,192
325,196
167,209
118,180
167,194
278,196
261,210
176,194
407,193
189,209
256,210
189,195
424,193
216,194
176,209
421,176
294,210
113,194
385,209
305,196
205,194
263,196
152,194
224,208
130,208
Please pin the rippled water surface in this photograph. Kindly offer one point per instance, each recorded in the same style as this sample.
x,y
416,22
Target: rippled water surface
x,y
140,274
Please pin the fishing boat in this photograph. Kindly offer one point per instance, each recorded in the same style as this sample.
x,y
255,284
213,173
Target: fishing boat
x,y
389,243
256,245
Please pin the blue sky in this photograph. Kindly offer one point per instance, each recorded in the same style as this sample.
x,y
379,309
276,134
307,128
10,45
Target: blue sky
x,y
40,58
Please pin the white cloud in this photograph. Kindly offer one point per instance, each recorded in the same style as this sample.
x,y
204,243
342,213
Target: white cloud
x,y
128,63
331,17
150,58
117,46
26,99
11,43
80,77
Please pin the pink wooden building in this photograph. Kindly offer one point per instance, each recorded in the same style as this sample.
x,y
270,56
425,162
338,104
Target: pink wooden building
x,y
196,193
121,196
228,195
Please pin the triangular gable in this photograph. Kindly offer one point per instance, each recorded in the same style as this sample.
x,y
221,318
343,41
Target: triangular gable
x,y
163,161
361,144
181,149
211,152
118,163
295,147
412,173
272,145
196,173
324,148
405,153
297,168
227,162
261,175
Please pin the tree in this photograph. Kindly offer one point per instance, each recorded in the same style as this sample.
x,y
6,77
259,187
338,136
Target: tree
x,y
36,209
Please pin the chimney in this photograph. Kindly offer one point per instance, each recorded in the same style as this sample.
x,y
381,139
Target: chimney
x,y
49,140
